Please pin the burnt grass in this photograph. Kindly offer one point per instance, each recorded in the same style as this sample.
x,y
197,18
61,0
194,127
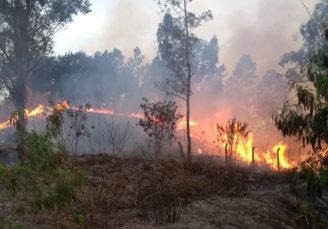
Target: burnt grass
x,y
136,193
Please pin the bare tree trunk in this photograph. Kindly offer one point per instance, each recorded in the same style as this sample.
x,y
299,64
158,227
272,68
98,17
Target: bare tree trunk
x,y
226,155
189,82
188,129
19,100
182,155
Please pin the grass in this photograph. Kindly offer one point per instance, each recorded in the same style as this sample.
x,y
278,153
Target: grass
x,y
122,189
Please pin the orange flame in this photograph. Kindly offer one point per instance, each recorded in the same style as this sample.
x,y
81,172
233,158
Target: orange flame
x,y
243,151
4,125
183,124
101,111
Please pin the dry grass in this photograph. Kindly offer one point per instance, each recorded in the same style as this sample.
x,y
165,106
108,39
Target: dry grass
x,y
121,189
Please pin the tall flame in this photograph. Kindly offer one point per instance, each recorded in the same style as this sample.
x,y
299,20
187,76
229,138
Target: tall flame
x,y
243,152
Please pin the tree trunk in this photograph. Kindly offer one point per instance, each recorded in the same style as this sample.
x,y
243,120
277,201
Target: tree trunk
x,y
189,82
188,124
21,125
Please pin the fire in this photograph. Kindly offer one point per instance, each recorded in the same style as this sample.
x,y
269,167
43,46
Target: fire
x,y
41,111
137,115
101,111
243,152
4,125
37,111
183,124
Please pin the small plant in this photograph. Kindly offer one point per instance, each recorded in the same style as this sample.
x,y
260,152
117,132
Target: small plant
x,y
42,182
159,204
69,124
307,218
164,208
117,136
160,122
314,174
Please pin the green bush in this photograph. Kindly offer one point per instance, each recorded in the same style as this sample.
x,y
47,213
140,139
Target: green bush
x,y
41,181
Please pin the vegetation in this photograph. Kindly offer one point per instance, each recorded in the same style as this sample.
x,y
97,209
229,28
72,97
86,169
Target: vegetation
x,y
54,186
176,44
307,121
160,123
41,183
232,135
26,32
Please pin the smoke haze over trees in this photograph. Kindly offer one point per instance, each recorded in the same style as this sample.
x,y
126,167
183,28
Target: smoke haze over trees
x,y
109,79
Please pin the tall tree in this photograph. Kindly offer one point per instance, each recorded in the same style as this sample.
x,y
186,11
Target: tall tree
x,y
313,38
272,90
240,88
176,44
307,119
207,69
26,31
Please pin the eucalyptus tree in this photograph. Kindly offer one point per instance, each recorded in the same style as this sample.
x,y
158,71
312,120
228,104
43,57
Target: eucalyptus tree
x,y
176,46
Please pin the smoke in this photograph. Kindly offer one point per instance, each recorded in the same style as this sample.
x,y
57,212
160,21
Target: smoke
x,y
262,29
128,24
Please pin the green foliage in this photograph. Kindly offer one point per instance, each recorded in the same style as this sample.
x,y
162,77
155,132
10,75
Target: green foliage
x,y
43,182
56,120
26,34
314,172
306,217
176,47
307,120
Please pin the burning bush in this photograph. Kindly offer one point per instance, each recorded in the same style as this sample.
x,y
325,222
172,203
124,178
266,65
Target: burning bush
x,y
231,135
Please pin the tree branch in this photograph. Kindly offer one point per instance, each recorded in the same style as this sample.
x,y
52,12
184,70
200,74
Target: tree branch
x,y
307,9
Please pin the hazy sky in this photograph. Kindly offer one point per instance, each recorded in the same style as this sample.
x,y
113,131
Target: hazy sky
x,y
264,29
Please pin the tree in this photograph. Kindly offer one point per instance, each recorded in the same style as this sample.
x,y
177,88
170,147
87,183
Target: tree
x,y
71,75
135,76
240,89
307,119
272,90
26,31
313,37
176,44
205,65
